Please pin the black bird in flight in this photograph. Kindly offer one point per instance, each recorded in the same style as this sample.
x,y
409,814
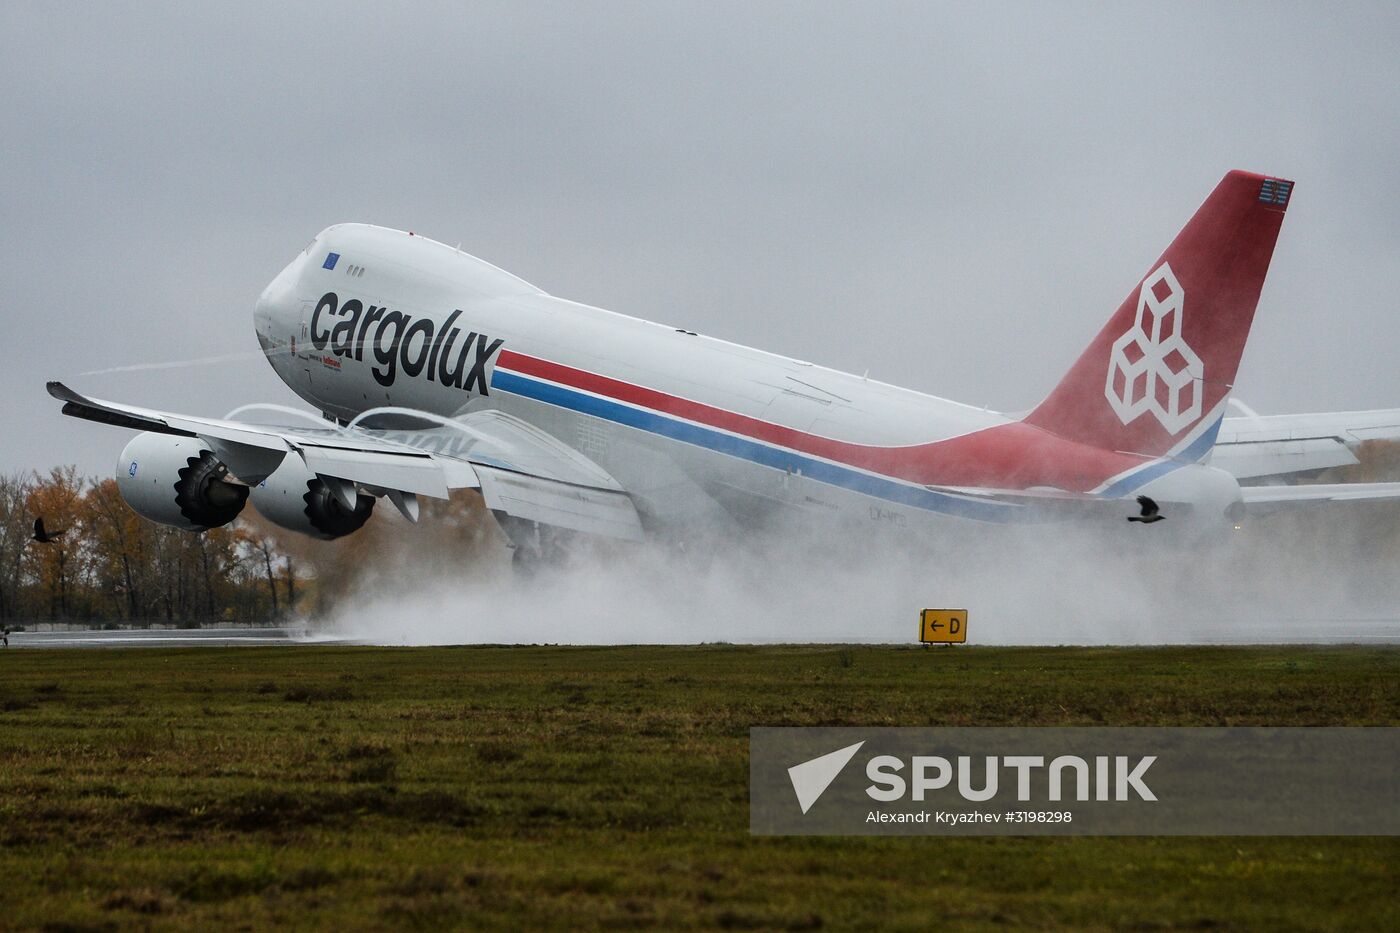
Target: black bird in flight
x,y
1150,512
46,537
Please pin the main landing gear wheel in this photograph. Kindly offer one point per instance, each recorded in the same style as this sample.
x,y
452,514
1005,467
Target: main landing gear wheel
x,y
533,546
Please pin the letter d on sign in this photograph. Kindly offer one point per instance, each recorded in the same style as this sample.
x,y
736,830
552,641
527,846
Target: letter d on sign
x,y
943,626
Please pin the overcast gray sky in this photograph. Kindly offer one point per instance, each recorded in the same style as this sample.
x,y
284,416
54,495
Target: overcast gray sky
x,y
952,197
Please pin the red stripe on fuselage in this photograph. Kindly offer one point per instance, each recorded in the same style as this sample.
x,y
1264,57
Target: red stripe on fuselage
x,y
1007,456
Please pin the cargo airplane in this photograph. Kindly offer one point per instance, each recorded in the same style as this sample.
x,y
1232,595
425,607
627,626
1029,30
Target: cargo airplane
x,y
434,370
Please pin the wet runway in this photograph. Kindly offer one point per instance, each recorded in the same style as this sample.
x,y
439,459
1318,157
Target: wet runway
x,y
1365,631
1303,631
162,638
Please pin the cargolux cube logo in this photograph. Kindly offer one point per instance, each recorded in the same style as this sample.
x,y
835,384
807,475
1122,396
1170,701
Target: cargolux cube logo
x,y
1151,367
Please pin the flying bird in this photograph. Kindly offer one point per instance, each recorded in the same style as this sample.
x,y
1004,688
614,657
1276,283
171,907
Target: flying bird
x,y
46,537
1150,512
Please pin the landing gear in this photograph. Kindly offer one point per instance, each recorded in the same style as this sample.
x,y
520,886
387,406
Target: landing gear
x,y
525,561
534,546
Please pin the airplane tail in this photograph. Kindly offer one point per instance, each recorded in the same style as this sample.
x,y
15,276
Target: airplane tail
x,y
1156,379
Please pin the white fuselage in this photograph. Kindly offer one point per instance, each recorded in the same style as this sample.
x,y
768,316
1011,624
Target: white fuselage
x,y
684,422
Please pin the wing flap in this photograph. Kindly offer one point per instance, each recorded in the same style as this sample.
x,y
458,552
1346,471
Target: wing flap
x,y
458,474
590,510
494,438
388,469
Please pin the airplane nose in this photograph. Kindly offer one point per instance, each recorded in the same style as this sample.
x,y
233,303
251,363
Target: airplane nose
x,y
262,312
274,304
262,319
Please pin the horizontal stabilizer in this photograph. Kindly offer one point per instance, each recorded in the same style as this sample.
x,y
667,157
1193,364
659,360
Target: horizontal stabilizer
x,y
1321,492
1277,445
1278,458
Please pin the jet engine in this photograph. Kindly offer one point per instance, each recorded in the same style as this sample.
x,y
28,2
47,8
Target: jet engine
x,y
178,481
1202,503
299,500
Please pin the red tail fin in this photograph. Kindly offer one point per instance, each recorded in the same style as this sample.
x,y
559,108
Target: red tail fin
x,y
1155,379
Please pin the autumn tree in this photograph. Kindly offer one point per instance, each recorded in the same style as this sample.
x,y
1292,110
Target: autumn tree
x,y
15,526
58,566
121,547
259,538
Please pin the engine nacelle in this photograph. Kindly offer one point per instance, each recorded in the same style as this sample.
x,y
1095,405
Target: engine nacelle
x,y
178,481
299,500
1214,503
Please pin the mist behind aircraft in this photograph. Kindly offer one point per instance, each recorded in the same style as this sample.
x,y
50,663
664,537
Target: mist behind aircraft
x,y
1287,578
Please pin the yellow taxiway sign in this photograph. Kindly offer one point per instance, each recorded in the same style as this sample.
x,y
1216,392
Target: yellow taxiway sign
x,y
943,626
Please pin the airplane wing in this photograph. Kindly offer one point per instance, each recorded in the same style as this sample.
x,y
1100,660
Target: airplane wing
x,y
1276,445
519,469
1257,497
1053,504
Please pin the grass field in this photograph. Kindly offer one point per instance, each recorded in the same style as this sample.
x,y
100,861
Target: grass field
x,y
504,788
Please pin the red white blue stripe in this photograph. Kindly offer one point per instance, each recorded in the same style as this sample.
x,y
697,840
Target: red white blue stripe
x,y
892,474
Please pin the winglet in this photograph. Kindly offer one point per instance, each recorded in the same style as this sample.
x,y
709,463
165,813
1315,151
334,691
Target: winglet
x,y
61,392
79,406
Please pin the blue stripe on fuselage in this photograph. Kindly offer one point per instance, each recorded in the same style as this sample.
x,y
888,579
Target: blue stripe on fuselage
x,y
780,458
754,452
